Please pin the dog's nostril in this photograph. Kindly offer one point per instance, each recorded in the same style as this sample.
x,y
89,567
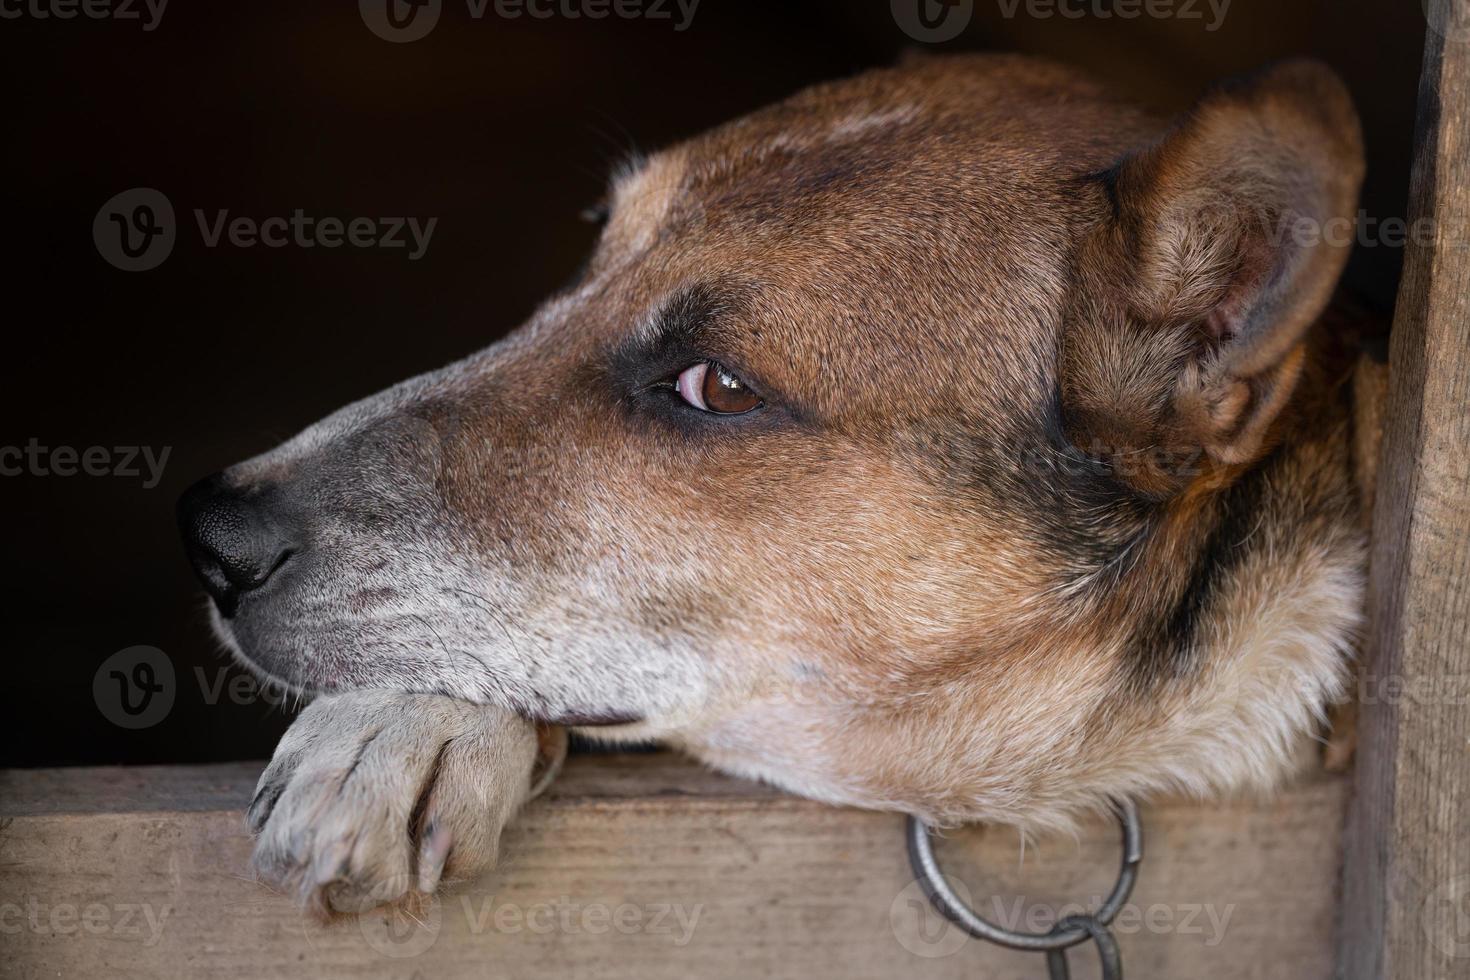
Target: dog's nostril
x,y
234,540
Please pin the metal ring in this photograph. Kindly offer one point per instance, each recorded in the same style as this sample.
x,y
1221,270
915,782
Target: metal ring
x,y
1110,961
1061,936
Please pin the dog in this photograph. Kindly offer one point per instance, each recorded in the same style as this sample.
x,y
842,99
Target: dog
x,y
957,439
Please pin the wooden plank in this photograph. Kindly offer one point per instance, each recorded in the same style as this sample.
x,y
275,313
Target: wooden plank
x,y
1407,864
650,867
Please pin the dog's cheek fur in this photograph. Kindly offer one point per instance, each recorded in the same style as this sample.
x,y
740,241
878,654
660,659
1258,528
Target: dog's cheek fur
x,y
1032,734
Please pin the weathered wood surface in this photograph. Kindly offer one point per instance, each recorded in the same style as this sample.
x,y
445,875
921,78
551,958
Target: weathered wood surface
x,y
650,867
1407,866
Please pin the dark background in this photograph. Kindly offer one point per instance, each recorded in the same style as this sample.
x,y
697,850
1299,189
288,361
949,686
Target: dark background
x,y
503,129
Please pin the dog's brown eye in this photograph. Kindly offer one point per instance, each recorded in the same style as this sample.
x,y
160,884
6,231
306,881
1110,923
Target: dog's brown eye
x,y
711,387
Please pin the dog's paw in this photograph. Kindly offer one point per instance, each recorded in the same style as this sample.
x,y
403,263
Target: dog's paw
x,y
373,797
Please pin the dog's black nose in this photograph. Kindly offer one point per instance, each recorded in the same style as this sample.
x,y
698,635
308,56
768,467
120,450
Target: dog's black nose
x,y
235,540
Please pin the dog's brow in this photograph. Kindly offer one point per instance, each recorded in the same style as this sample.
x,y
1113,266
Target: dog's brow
x,y
681,328
679,319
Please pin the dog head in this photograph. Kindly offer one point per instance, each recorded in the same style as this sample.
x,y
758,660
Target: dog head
x,y
872,452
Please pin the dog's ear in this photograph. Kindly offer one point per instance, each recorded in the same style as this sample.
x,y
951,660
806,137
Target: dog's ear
x,y
1220,246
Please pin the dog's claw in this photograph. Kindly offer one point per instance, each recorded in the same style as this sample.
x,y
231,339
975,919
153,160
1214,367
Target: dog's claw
x,y
433,855
261,806
332,813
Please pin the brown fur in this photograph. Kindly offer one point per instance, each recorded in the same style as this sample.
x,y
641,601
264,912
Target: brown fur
x,y
1051,497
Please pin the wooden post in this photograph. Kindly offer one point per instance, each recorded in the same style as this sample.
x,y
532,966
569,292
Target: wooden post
x,y
1406,905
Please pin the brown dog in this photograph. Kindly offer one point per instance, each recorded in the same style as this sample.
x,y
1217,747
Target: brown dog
x,y
956,439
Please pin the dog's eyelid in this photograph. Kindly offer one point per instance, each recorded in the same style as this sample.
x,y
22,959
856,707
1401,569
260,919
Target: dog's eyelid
x,y
696,325
669,379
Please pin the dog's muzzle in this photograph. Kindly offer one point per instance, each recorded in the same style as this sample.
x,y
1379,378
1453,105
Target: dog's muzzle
x,y
236,539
